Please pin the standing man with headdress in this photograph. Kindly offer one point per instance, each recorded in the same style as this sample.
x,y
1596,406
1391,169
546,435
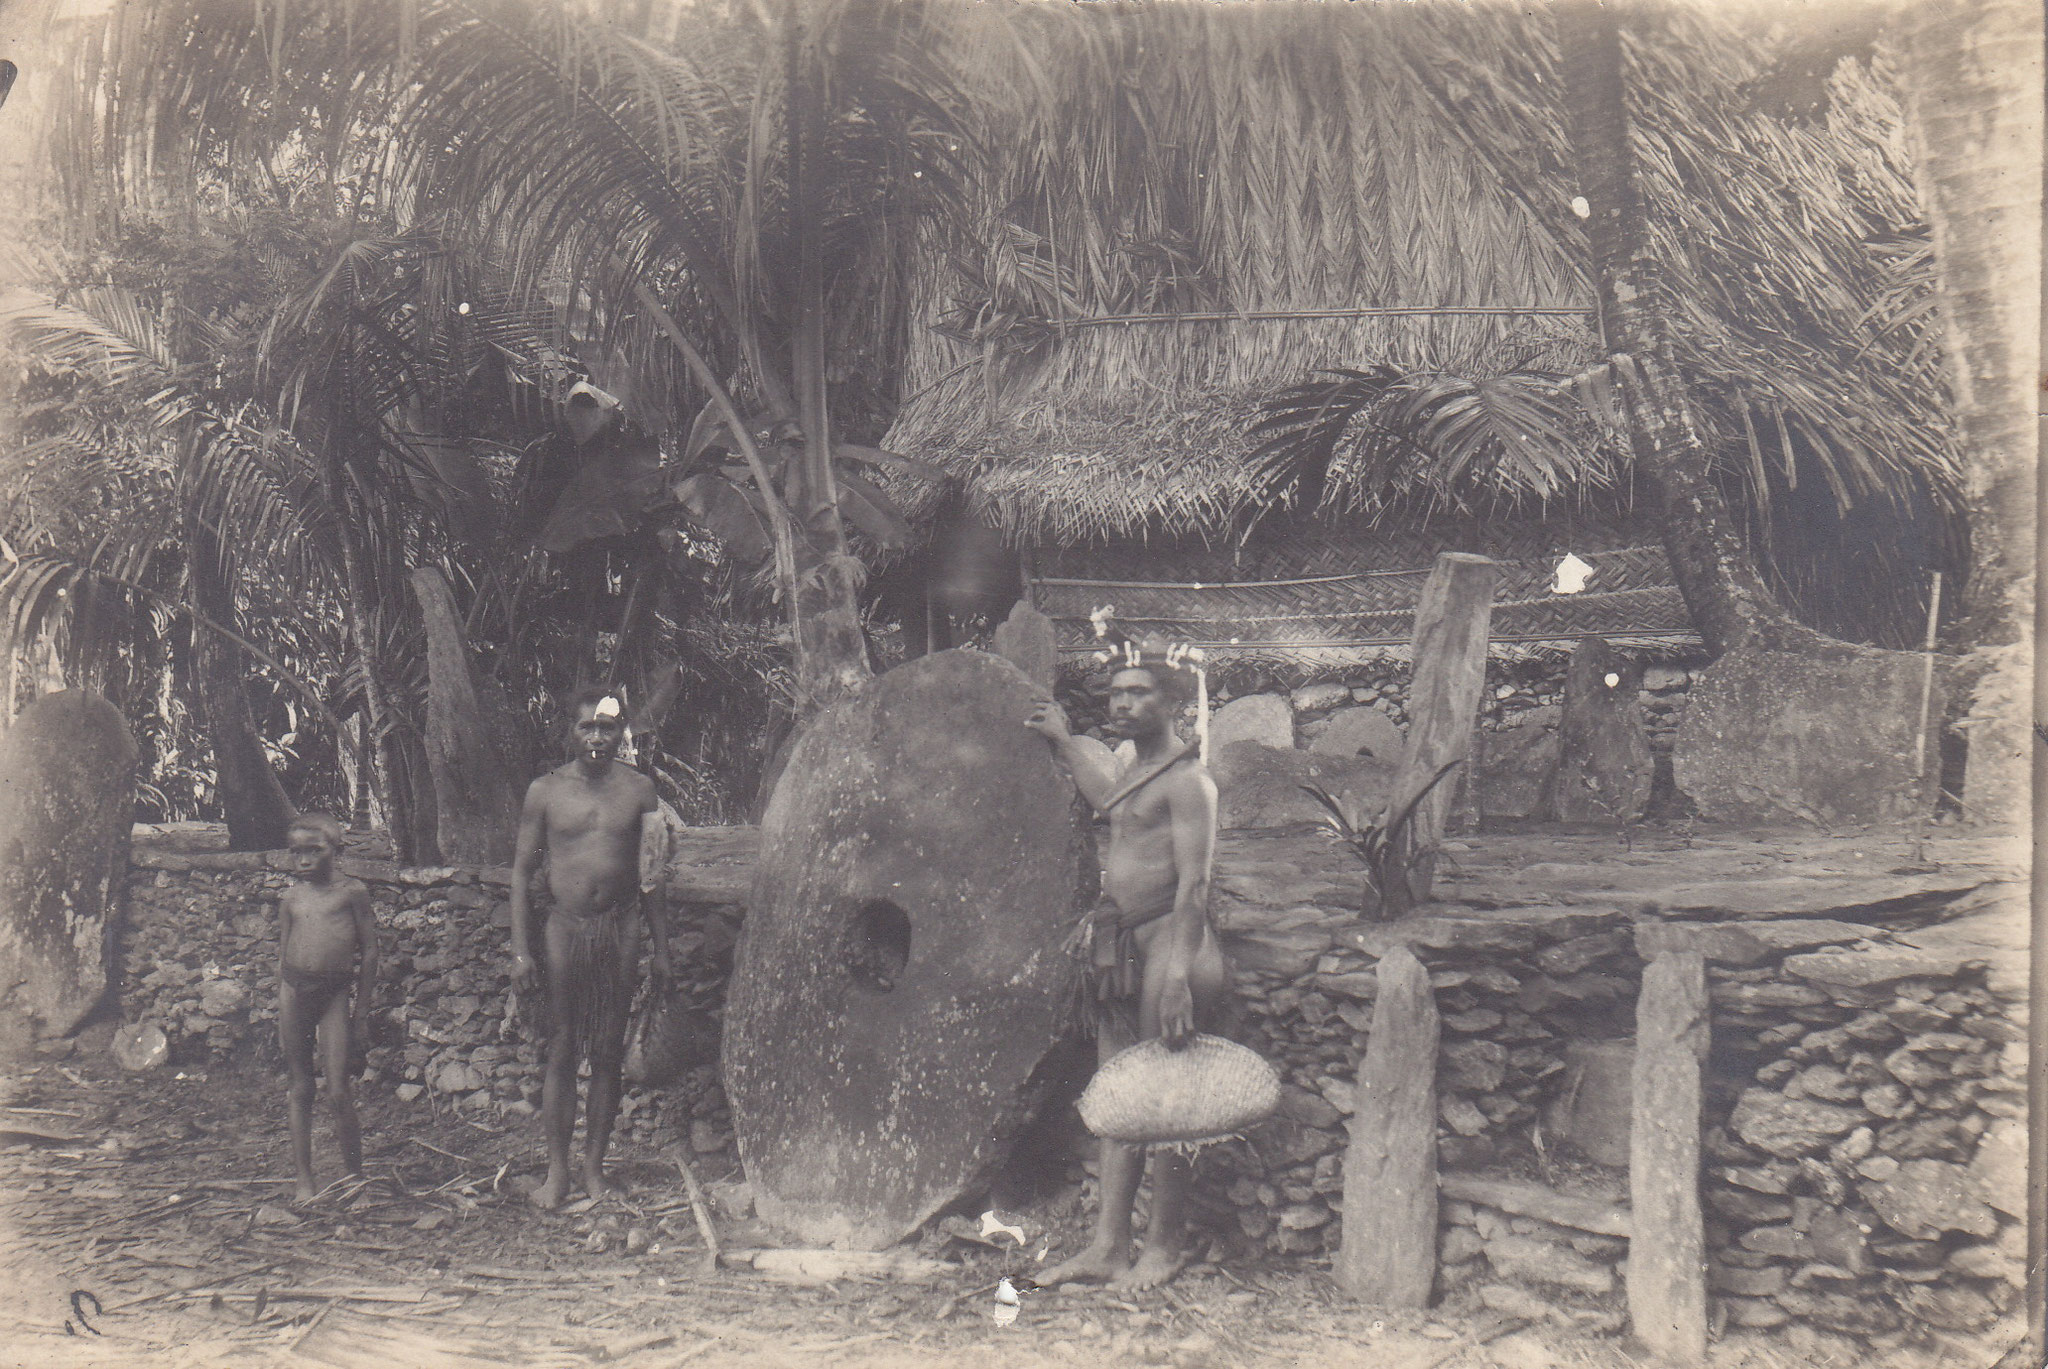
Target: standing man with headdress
x,y
599,826
1151,962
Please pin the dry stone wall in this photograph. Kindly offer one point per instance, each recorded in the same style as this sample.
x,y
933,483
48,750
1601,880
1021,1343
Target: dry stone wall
x,y
448,1028
1867,1166
1866,1096
1514,991
1865,1151
1514,690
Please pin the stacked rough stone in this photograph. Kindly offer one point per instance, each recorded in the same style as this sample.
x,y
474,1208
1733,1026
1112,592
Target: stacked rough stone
x,y
1866,1160
1866,1099
1663,699
1500,1252
1870,1176
200,959
1512,991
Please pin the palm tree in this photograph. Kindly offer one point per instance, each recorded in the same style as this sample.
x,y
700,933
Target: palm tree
x,y
1798,343
1972,75
1727,596
166,462
728,224
711,187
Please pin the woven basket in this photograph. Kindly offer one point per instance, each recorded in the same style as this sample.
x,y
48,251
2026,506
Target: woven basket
x,y
1209,1090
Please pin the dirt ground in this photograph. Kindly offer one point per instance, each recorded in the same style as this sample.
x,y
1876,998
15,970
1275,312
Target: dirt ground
x,y
145,1221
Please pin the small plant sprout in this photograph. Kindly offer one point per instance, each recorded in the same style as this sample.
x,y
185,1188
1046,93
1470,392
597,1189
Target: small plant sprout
x,y
1380,846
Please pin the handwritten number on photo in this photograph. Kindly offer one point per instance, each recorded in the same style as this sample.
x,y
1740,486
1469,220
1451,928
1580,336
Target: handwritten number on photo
x,y
79,1297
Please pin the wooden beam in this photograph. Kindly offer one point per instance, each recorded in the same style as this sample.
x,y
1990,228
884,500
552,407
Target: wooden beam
x,y
1451,623
1667,1290
1388,1257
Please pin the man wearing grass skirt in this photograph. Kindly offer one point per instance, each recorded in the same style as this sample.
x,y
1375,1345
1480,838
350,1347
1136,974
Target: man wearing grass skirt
x,y
1151,962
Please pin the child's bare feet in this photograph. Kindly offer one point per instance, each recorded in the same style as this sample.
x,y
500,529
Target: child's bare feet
x,y
1099,1263
307,1191
552,1191
1156,1266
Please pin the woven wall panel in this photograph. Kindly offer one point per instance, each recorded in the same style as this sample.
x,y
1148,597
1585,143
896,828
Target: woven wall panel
x,y
1311,609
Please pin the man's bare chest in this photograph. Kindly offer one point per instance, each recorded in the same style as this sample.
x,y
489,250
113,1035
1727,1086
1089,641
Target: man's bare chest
x,y
1143,817
583,814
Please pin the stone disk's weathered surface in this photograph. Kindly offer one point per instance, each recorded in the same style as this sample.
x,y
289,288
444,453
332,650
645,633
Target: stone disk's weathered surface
x,y
1773,736
67,805
871,1087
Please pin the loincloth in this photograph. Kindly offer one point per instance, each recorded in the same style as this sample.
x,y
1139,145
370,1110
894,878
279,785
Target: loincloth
x,y
596,985
1109,968
317,989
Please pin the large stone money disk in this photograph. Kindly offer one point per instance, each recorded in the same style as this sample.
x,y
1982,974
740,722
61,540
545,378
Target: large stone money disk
x,y
67,806
901,975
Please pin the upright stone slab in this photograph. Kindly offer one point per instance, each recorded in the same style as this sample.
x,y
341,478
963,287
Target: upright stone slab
x,y
1261,786
1451,625
67,805
1604,768
1263,718
1514,769
1667,1290
900,974
478,779
1025,640
1390,1194
1592,1115
1775,736
1360,731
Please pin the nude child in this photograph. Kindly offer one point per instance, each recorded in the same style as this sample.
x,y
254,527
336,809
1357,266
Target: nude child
x,y
327,943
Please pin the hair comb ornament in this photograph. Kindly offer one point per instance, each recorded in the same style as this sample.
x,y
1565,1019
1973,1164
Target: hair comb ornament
x,y
1132,654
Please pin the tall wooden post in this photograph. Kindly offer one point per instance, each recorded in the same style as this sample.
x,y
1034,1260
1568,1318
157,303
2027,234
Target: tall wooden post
x,y
1451,624
1667,1289
1389,1253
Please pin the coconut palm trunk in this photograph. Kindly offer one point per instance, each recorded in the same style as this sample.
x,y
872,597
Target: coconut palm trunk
x,y
1725,592
252,800
1971,74
831,652
388,775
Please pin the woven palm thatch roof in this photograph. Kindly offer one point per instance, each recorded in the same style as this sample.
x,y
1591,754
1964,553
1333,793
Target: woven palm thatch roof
x,y
1318,600
1184,208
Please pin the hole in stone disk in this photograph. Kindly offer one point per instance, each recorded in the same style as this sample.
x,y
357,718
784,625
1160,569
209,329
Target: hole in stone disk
x,y
878,945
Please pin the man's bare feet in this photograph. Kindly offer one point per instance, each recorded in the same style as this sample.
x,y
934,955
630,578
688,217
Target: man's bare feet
x,y
552,1191
1099,1263
307,1191
599,1187
1156,1266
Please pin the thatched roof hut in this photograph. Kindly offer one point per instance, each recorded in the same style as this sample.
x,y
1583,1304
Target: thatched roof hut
x,y
1186,209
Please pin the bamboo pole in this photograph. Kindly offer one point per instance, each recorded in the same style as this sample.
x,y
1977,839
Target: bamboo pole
x,y
698,1210
1927,679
